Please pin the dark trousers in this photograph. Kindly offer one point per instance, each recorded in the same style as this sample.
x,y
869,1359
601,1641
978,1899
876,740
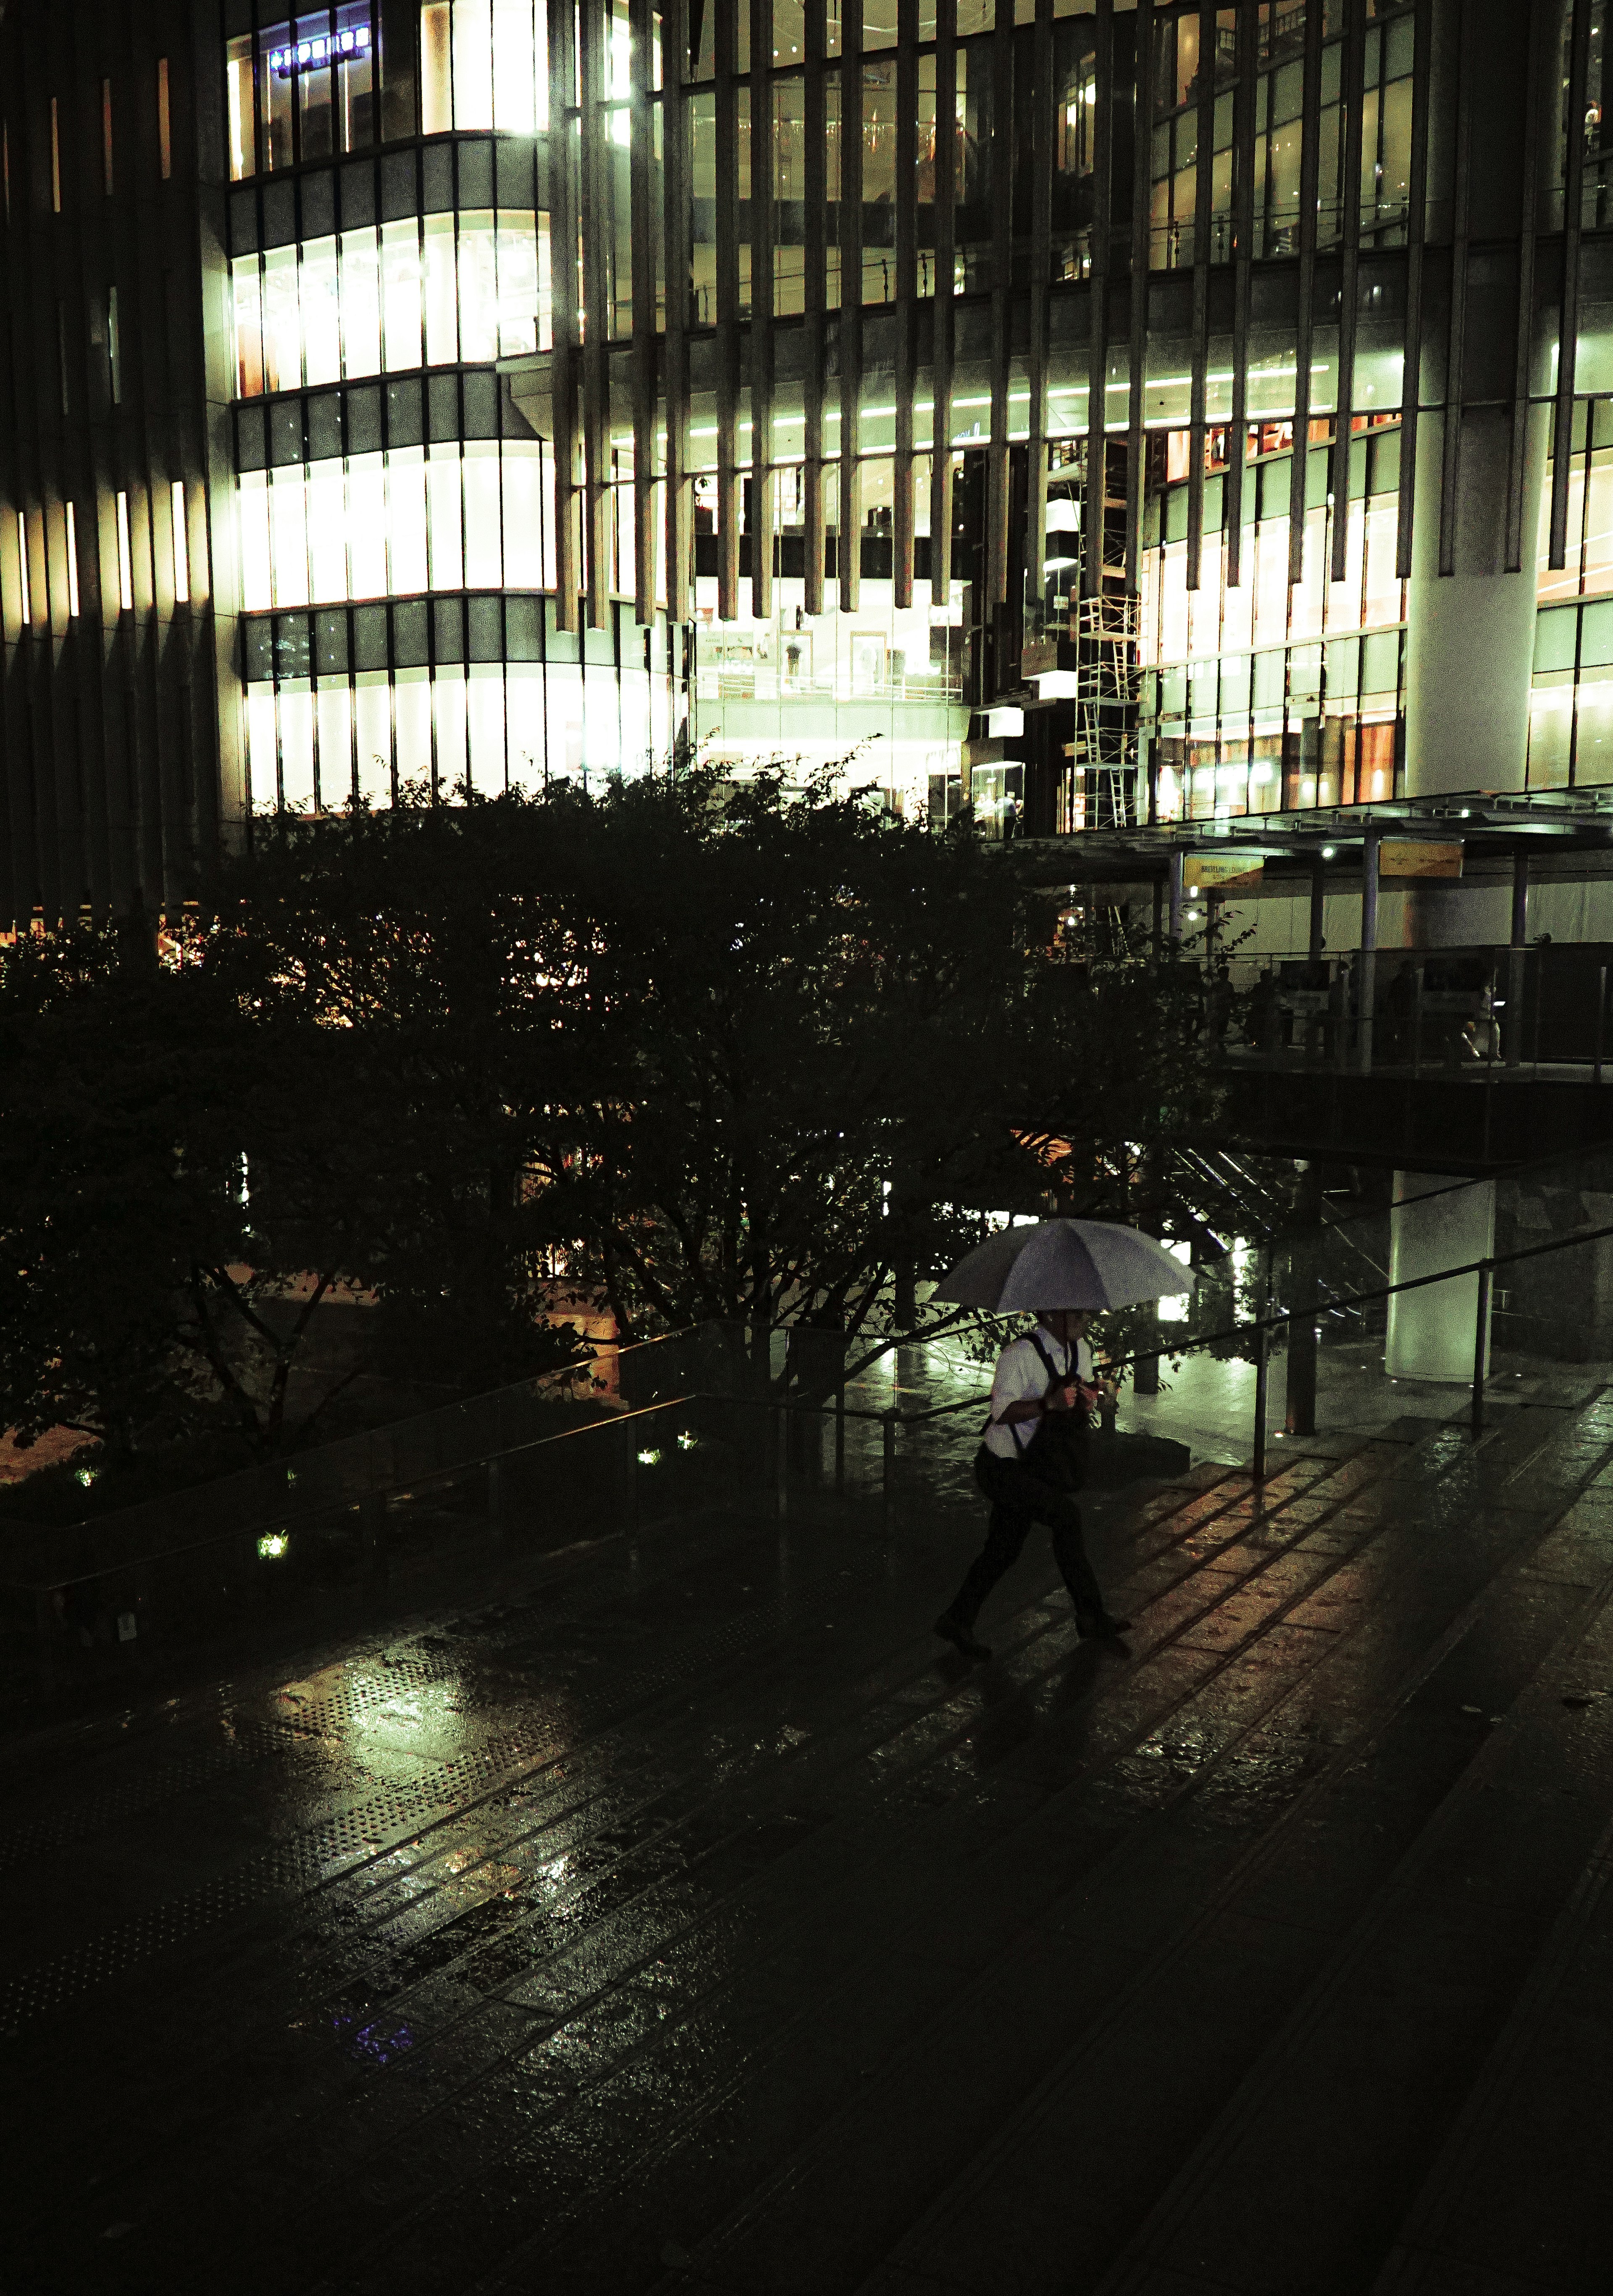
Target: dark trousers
x,y
1021,1495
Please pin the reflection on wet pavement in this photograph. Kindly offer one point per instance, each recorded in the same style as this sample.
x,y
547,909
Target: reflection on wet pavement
x,y
679,1915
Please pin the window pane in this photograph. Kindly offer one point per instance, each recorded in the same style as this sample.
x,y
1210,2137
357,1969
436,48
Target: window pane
x,y
473,64
297,745
321,331
441,332
486,727
520,66
249,326
367,511
290,538
448,549
412,708
257,590
518,287
525,523
238,96
262,745
436,71
448,698
326,531
406,518
335,715
483,556
282,324
478,288
373,731
361,303
400,292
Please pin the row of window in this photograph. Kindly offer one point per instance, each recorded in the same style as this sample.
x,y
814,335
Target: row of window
x,y
1320,761
412,633
145,550
427,290
317,745
106,156
1179,625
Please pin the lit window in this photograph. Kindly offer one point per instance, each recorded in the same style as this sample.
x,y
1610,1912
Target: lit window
x,y
24,589
72,562
165,150
55,161
126,558
182,553
106,136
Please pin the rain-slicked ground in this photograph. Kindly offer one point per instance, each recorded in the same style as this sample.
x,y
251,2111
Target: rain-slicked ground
x,y
678,1915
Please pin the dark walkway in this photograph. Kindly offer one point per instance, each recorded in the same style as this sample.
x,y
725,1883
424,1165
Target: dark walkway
x,y
680,1919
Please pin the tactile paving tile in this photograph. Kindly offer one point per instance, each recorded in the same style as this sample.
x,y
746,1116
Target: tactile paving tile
x,y
249,1742
352,1835
56,1829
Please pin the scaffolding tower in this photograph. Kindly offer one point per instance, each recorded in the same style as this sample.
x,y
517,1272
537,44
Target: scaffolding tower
x,y
1104,753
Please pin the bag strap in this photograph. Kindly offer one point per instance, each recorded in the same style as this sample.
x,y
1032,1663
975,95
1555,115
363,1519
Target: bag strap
x,y
1055,1378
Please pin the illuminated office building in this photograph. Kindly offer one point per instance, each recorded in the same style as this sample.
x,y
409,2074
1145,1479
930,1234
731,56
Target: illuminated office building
x,y
464,393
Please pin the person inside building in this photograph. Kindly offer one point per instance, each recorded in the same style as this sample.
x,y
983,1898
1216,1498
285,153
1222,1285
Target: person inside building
x,y
1030,1466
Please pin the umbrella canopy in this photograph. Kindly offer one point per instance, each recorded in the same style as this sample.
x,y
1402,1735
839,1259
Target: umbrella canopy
x,y
1064,1263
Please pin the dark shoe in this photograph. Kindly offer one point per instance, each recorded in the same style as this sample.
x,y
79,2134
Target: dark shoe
x,y
1097,1625
953,1630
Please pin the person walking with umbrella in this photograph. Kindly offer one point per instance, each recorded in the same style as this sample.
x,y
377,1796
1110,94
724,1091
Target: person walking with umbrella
x,y
1030,1464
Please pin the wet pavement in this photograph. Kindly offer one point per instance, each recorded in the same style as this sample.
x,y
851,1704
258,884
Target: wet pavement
x,y
676,1915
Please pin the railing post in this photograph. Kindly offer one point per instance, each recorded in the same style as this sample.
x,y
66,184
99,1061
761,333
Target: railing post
x,y
1602,1019
1481,1349
781,1457
1263,1369
840,1439
45,1633
888,1479
1366,974
372,1537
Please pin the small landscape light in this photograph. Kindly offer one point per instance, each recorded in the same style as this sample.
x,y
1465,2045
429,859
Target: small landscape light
x,y
649,1458
687,1443
272,1545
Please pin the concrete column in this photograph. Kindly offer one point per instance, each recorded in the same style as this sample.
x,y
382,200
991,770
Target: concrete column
x,y
1178,871
1472,638
1514,1031
1366,971
1433,1333
1319,904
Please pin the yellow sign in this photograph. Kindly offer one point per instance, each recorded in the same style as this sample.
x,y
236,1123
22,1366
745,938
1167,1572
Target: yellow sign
x,y
1215,871
1398,856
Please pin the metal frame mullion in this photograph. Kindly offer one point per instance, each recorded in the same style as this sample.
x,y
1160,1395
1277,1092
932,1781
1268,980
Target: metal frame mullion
x,y
595,221
1309,161
1355,97
1567,340
728,311
1243,247
1042,258
1203,193
1417,224
942,312
1456,336
816,113
1002,304
848,548
907,291
1143,151
562,284
1528,225
1097,375
674,150
641,169
761,311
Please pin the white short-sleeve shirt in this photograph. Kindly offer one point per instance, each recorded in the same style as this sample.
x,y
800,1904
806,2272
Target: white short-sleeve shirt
x,y
1020,1374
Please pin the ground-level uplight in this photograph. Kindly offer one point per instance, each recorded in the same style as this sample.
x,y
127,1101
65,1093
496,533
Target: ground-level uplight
x,y
272,1545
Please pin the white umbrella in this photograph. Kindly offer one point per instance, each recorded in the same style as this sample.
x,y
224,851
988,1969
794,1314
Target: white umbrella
x,y
1064,1263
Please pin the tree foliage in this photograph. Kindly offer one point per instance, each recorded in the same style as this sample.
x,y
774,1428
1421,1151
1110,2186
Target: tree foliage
x,y
756,1055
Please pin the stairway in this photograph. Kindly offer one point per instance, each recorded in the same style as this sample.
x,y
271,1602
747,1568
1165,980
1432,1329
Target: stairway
x,y
772,1954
